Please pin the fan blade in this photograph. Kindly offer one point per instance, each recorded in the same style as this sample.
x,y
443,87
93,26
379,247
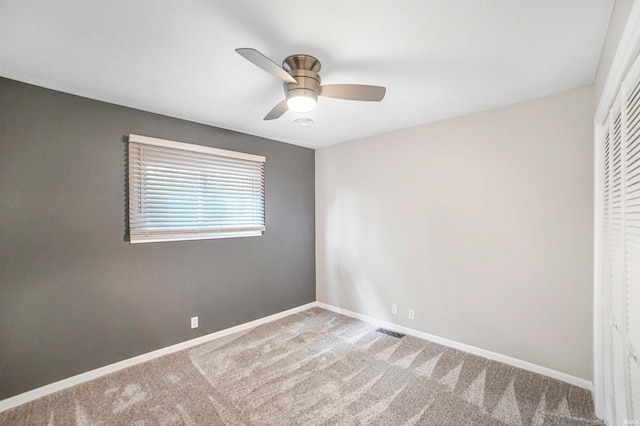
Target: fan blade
x,y
277,111
261,61
353,92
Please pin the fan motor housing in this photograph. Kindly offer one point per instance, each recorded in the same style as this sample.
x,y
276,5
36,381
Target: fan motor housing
x,y
304,68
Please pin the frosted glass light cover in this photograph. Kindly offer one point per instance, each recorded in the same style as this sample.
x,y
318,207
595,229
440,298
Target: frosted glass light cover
x,y
301,104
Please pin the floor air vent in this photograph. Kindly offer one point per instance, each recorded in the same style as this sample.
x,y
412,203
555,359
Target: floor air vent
x,y
391,333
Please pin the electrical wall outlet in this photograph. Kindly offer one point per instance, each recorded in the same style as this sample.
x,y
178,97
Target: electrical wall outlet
x,y
394,309
412,314
194,322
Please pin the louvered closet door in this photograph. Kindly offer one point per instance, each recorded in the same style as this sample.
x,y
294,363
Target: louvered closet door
x,y
607,267
631,149
617,266
621,253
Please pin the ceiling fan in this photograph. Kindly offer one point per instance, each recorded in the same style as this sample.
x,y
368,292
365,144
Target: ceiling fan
x,y
302,83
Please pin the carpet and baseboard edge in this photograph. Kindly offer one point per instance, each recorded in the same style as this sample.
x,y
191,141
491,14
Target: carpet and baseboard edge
x,y
515,362
40,392
45,390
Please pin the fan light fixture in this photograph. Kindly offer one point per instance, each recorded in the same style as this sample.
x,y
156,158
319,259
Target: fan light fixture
x,y
301,101
301,104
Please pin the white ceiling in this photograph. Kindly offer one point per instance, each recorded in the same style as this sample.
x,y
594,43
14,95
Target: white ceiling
x,y
438,59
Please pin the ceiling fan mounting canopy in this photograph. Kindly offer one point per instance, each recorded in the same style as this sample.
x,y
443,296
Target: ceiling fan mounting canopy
x,y
302,83
301,62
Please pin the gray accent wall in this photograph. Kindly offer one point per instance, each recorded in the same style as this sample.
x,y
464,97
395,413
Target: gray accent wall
x,y
74,295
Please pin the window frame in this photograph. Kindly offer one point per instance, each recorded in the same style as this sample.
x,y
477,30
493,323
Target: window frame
x,y
139,236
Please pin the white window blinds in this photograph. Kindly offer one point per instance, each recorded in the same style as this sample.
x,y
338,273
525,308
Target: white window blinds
x,y
179,191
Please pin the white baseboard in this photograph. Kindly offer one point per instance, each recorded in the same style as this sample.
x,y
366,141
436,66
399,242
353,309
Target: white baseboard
x,y
466,348
31,395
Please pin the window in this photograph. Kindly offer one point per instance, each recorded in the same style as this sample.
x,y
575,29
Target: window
x,y
179,191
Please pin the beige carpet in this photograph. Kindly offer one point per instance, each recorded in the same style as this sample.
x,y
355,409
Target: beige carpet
x,y
314,368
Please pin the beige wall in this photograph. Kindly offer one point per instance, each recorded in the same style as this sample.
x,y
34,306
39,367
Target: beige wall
x,y
482,224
